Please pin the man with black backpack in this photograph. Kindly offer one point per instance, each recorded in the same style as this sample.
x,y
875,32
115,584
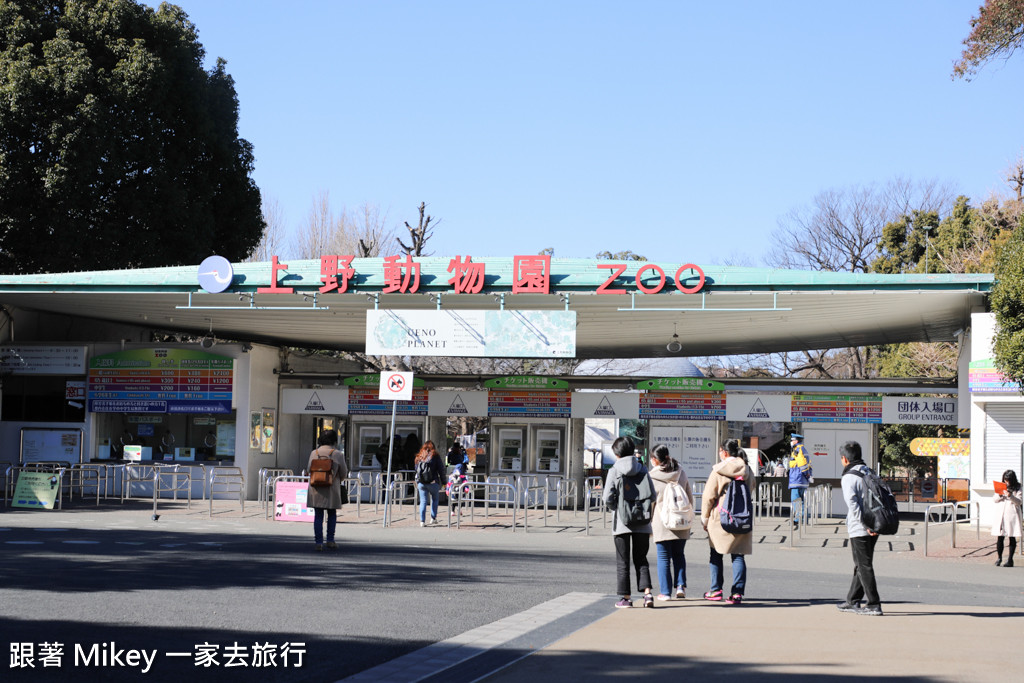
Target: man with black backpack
x,y
862,538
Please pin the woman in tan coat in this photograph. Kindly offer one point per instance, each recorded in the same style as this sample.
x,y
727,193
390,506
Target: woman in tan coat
x,y
732,465
670,542
326,498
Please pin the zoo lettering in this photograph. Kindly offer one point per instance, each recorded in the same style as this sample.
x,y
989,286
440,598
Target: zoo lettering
x,y
530,275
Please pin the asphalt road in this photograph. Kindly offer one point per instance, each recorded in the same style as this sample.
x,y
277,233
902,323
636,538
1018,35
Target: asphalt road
x,y
94,577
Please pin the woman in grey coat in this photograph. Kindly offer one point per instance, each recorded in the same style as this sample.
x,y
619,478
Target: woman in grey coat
x,y
326,498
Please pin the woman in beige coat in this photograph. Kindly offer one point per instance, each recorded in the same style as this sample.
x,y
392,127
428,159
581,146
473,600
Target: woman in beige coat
x,y
670,542
326,498
732,465
1007,520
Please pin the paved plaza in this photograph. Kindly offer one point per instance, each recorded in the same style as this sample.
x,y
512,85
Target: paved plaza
x,y
478,603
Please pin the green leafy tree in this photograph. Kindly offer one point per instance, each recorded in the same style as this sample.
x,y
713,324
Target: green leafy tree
x,y
894,448
1007,302
117,148
997,31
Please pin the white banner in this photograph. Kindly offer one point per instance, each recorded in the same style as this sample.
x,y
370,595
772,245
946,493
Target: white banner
x,y
918,410
614,405
758,407
315,401
457,403
479,334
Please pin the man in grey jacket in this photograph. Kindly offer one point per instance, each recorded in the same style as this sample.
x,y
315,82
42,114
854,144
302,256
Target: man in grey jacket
x,y
628,471
862,539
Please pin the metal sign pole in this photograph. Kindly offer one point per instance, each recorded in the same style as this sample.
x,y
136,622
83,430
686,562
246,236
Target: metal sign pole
x,y
387,481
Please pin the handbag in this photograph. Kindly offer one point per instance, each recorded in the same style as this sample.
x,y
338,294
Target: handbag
x,y
344,494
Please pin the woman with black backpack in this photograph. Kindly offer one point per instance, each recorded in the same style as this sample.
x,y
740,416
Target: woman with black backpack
x,y
429,475
732,466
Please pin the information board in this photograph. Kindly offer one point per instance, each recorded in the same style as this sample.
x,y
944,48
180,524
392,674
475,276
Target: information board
x,y
820,408
36,490
160,380
51,445
553,404
695,406
290,502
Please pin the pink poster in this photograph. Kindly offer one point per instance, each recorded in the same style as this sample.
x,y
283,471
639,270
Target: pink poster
x,y
290,499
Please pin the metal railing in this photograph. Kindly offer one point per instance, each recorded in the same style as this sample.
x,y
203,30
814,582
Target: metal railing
x,y
593,499
769,499
228,480
267,475
355,492
465,496
948,518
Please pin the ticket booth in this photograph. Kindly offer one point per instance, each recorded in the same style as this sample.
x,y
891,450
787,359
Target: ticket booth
x,y
529,448
549,447
510,449
370,441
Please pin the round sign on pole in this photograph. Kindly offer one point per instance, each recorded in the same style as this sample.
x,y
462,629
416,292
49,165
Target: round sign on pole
x,y
395,386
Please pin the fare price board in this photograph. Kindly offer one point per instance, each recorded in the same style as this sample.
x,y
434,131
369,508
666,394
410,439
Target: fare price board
x,y
815,408
365,400
160,380
555,404
696,406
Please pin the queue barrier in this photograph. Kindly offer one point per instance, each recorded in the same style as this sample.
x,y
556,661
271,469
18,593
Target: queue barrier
x,y
174,480
136,473
229,480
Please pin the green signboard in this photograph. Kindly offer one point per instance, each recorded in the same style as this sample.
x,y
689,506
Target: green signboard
x,y
374,381
681,384
524,382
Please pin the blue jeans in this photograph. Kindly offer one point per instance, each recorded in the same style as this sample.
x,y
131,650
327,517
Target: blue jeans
x,y
739,572
670,556
318,525
434,493
797,495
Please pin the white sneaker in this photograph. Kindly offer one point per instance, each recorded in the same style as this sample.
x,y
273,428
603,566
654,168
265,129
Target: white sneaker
x,y
433,520
422,524
680,592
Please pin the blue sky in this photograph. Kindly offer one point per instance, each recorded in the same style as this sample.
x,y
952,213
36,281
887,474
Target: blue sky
x,y
679,130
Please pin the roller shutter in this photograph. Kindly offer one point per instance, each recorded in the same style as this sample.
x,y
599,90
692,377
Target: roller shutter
x,y
1004,433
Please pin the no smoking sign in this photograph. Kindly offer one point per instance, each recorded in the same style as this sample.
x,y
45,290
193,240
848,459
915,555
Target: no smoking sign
x,y
395,386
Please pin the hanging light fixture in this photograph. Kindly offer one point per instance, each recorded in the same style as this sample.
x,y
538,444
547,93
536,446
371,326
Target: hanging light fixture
x,y
674,346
